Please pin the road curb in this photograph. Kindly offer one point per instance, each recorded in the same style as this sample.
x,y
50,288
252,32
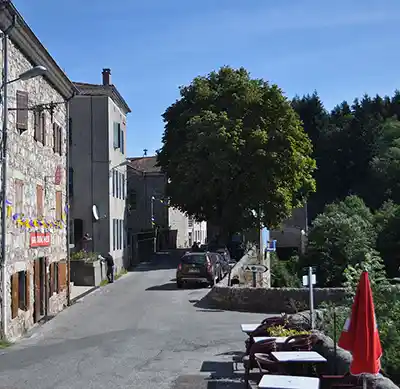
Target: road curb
x,y
77,298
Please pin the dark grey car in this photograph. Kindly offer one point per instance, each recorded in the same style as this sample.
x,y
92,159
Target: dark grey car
x,y
200,268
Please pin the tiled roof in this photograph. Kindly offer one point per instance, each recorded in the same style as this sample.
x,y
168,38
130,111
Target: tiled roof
x,y
86,89
145,164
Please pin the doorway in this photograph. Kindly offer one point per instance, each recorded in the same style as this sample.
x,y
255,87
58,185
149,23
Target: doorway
x,y
39,275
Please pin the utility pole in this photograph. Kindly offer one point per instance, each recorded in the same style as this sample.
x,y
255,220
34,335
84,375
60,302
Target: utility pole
x,y
153,224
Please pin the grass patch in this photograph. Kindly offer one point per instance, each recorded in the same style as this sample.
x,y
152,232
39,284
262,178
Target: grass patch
x,y
121,273
4,344
104,282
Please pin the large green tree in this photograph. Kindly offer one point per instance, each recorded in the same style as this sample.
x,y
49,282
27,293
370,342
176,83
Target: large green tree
x,y
234,150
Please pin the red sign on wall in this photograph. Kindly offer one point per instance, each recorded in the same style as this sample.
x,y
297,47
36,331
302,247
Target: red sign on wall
x,y
40,239
58,176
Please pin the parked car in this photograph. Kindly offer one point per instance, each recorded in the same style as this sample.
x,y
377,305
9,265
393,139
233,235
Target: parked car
x,y
220,249
199,267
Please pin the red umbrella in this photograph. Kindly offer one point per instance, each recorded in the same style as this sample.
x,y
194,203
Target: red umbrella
x,y
360,335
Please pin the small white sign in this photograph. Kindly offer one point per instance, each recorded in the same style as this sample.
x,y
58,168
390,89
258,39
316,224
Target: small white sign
x,y
313,280
255,268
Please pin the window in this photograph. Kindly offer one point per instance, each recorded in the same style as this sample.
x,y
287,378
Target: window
x,y
123,187
114,233
113,183
58,205
117,184
132,201
118,235
39,201
190,222
122,145
117,134
19,195
20,292
122,234
22,111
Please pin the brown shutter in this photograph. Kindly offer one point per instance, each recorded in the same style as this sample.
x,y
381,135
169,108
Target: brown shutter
x,y
43,127
27,290
55,137
62,276
58,205
39,201
59,140
14,295
51,279
37,132
22,110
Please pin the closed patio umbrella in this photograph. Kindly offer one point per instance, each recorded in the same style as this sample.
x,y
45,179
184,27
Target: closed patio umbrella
x,y
360,335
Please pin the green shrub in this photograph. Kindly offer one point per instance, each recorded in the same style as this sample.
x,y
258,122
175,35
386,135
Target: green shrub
x,y
88,256
285,332
284,273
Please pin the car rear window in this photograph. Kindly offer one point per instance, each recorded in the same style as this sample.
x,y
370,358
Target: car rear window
x,y
198,259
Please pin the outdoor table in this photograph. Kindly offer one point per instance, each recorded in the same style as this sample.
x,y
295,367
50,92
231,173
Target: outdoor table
x,y
249,328
278,339
269,381
298,356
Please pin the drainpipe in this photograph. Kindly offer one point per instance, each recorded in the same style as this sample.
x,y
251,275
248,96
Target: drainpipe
x,y
4,182
67,157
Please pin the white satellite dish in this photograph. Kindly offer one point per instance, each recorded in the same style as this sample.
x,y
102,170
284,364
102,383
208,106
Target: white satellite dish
x,y
95,212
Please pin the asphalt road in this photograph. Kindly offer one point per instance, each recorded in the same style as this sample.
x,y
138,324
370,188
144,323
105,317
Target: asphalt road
x,y
140,332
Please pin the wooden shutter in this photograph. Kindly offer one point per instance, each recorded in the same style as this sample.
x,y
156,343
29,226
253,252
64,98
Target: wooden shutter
x,y
122,142
55,137
22,110
51,278
37,133
59,140
27,290
62,276
116,135
58,205
43,128
14,295
39,201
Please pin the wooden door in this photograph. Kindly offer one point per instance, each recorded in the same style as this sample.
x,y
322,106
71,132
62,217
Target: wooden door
x,y
37,291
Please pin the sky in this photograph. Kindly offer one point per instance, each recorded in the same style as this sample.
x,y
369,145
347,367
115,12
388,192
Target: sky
x,y
342,48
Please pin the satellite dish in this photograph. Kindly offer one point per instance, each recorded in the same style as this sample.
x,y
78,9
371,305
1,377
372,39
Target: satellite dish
x,y
95,212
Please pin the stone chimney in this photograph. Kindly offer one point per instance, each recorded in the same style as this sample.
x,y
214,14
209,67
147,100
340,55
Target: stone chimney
x,y
106,76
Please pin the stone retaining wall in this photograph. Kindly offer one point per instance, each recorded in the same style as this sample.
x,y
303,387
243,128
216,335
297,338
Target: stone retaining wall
x,y
273,300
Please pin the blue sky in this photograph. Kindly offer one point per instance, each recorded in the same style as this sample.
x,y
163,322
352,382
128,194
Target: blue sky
x,y
340,48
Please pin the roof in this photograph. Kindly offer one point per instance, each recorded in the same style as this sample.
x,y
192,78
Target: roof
x,y
27,42
145,164
111,91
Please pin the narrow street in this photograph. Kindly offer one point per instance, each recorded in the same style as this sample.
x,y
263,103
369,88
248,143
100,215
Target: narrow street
x,y
140,332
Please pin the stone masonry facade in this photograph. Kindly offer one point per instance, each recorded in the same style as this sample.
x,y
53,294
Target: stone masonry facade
x,y
34,164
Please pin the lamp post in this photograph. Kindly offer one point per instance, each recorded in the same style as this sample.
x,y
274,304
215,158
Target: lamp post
x,y
153,225
27,75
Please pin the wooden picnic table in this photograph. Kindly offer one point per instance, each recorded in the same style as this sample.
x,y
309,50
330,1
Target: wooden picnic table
x,y
270,381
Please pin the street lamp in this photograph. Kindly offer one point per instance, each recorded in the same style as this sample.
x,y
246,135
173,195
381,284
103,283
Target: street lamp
x,y
27,75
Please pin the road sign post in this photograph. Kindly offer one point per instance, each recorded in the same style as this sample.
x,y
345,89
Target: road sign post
x,y
310,280
255,269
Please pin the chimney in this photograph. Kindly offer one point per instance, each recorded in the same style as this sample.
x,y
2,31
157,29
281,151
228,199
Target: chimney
x,y
106,76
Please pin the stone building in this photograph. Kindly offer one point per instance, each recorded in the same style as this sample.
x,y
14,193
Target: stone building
x,y
146,199
98,168
34,272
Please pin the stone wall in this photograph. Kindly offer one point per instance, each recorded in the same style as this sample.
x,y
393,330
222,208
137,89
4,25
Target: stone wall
x,y
34,164
273,300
